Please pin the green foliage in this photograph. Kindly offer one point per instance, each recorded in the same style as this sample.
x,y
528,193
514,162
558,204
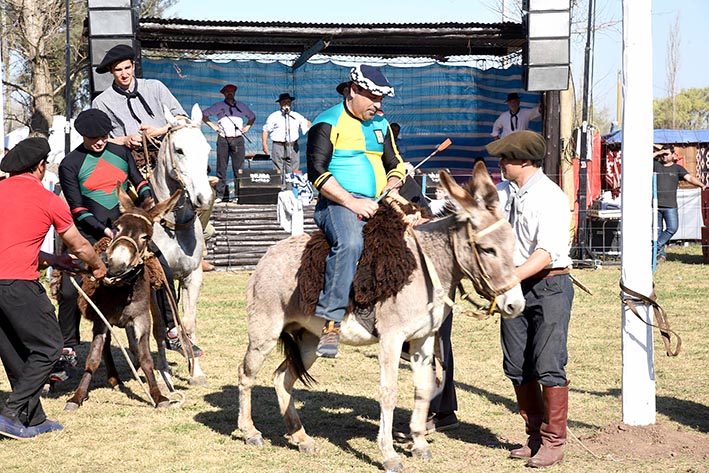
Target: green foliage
x,y
691,112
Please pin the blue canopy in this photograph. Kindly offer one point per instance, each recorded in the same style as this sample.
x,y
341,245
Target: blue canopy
x,y
666,136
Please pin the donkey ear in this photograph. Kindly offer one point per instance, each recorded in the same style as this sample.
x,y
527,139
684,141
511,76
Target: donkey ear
x,y
125,203
482,188
169,117
457,193
196,114
158,212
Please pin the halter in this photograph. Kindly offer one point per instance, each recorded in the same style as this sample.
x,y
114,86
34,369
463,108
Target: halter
x,y
138,259
483,284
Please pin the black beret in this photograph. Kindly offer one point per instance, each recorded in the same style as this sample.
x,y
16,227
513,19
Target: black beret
x,y
521,145
93,123
341,87
114,55
26,154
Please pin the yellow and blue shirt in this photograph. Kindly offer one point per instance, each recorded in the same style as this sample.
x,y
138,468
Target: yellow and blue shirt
x,y
360,155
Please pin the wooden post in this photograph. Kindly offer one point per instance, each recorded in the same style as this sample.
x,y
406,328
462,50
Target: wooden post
x,y
638,385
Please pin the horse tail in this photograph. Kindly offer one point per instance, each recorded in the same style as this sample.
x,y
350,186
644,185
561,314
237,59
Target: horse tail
x,y
290,348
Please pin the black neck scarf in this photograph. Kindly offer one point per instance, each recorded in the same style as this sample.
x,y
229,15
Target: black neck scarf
x,y
232,107
513,120
132,95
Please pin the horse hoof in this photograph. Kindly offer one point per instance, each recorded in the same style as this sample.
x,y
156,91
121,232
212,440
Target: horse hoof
x,y
198,381
308,448
393,466
256,441
423,453
71,406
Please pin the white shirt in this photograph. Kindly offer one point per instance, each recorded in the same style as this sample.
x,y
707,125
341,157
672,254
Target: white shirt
x,y
284,127
542,218
231,117
504,123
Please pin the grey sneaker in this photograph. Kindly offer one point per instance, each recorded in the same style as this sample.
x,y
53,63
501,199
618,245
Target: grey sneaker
x,y
329,340
65,367
173,343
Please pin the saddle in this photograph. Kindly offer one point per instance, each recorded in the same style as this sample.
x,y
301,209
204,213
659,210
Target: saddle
x,y
151,265
384,268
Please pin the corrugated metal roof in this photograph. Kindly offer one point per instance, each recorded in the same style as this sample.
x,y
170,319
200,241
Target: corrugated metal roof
x,y
433,40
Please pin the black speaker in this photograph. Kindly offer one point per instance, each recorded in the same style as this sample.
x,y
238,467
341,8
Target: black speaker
x,y
110,22
545,56
259,187
605,236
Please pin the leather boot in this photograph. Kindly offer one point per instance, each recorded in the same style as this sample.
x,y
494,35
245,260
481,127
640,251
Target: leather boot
x,y
531,408
553,430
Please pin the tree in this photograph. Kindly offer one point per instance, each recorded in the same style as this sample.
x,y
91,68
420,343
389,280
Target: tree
x,y
33,40
691,110
673,46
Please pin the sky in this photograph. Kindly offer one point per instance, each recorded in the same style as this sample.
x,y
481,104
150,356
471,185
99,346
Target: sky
x,y
693,70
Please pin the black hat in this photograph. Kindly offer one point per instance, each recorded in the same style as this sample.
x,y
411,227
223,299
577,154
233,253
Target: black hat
x,y
93,123
26,154
341,87
523,145
512,96
114,55
285,97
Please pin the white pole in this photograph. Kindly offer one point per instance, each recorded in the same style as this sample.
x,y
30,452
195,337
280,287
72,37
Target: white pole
x,y
638,388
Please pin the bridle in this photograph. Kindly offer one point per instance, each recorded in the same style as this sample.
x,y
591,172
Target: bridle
x,y
483,284
139,256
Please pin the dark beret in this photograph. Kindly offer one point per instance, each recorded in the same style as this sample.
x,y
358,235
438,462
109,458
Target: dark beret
x,y
26,154
93,123
114,55
341,87
521,145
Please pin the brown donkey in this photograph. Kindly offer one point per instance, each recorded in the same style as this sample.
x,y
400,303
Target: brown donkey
x,y
124,297
475,242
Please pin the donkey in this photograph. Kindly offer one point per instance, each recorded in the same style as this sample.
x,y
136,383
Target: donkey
x,y
124,297
182,165
475,242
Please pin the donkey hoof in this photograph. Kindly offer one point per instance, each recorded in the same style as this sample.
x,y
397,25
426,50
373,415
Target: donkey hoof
x,y
163,404
308,448
393,466
255,441
423,453
71,406
198,381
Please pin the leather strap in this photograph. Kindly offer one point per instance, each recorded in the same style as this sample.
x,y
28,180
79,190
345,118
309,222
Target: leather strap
x,y
549,272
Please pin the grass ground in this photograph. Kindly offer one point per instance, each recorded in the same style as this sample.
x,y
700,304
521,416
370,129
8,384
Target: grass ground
x,y
118,431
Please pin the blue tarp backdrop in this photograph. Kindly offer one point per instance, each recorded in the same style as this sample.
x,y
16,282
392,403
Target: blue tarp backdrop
x,y
432,102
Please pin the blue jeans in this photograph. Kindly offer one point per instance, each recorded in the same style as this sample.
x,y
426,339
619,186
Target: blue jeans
x,y
343,231
670,216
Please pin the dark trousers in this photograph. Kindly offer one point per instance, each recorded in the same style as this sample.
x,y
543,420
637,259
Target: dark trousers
x,y
446,401
227,147
70,315
534,342
30,344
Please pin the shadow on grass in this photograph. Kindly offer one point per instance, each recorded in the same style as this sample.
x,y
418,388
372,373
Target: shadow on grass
x,y
339,418
685,258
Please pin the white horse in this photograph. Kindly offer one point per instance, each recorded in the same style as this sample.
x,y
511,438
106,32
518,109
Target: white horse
x,y
182,164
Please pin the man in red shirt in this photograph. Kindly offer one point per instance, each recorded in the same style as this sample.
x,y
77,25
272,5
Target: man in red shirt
x,y
30,338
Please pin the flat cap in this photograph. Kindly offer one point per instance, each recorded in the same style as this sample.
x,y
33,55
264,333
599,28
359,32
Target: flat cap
x,y
521,145
114,55
93,123
25,154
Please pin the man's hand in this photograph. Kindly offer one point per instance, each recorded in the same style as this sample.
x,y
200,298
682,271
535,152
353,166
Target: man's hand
x,y
152,131
99,272
365,208
108,232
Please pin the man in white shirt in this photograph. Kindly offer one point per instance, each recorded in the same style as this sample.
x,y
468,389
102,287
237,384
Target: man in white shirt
x,y
534,344
234,120
515,118
284,126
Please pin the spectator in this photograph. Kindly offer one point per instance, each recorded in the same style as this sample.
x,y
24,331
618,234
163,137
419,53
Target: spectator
x,y
515,118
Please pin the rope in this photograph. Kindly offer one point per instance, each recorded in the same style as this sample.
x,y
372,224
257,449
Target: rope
x,y
115,336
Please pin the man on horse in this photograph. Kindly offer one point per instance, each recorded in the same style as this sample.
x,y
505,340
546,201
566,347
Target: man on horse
x,y
135,107
534,344
352,159
30,338
88,177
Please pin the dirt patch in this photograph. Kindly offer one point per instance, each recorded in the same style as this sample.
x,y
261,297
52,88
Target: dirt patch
x,y
658,441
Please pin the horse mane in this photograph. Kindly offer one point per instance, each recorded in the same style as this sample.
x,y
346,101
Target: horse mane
x,y
385,267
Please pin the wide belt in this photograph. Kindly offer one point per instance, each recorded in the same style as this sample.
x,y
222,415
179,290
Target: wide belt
x,y
549,272
284,143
